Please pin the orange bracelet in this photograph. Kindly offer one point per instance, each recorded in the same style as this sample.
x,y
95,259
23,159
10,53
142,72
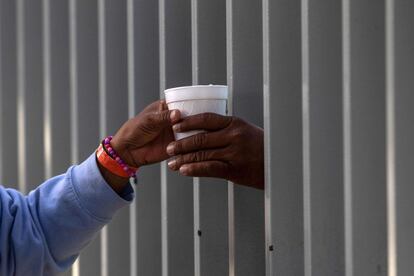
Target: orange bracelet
x,y
109,163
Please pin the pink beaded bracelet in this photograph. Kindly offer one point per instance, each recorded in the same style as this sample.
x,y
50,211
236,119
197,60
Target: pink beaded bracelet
x,y
129,170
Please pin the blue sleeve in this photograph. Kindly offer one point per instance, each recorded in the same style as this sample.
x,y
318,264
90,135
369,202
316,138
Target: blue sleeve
x,y
43,232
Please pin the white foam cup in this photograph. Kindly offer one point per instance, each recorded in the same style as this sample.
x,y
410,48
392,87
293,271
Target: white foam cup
x,y
193,100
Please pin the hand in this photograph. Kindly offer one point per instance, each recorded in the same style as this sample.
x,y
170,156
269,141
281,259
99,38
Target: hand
x,y
231,149
142,140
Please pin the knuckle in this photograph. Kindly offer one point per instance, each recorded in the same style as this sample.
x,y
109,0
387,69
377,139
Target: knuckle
x,y
147,124
178,147
200,156
150,120
199,140
191,158
165,116
237,134
179,160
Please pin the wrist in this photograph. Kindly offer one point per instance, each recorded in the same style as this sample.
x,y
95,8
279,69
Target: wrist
x,y
122,150
113,169
116,182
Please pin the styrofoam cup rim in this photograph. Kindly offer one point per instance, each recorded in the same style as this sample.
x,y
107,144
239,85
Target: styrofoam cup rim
x,y
200,92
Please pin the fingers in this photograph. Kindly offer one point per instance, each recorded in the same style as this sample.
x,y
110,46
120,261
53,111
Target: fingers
x,y
199,156
206,121
206,140
157,120
217,169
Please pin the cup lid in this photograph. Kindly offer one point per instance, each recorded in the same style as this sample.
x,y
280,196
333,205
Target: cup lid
x,y
196,92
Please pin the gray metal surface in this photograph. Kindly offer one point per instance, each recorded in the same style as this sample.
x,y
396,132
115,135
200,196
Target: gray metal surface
x,y
364,139
56,81
84,105
29,94
322,138
282,115
148,201
210,195
400,134
57,85
113,81
8,97
331,82
245,80
176,191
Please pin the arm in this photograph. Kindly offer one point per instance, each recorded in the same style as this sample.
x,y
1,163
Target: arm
x,y
43,233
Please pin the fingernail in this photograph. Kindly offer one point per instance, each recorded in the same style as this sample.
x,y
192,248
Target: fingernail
x,y
174,115
170,149
184,170
172,163
176,128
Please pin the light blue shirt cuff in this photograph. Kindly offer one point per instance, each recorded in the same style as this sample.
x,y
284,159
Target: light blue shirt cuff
x,y
94,193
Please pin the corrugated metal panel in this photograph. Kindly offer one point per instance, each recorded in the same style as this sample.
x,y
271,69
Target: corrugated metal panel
x,y
322,137
210,195
8,96
30,94
146,83
56,87
330,81
400,134
56,90
84,104
282,114
364,139
244,77
113,87
176,191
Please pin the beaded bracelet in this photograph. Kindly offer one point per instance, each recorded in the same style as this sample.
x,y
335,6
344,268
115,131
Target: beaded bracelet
x,y
113,162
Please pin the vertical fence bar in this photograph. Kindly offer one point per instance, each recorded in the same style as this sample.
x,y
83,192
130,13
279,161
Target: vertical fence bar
x,y
113,80
196,180
147,82
103,125
390,138
230,186
73,94
322,137
210,196
364,137
47,83
400,134
176,191
283,143
163,168
84,97
130,11
8,95
30,87
21,120
244,57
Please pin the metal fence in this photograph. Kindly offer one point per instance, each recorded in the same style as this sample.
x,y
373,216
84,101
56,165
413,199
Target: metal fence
x,y
332,82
